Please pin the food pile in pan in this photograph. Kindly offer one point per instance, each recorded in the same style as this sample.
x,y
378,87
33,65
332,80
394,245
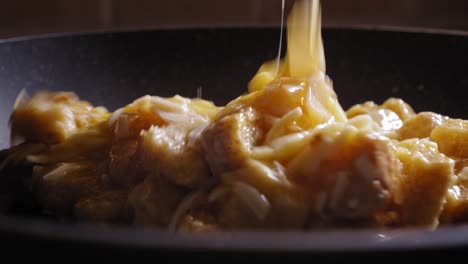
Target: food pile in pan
x,y
285,155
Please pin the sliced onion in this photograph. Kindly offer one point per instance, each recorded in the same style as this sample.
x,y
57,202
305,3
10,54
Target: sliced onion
x,y
21,99
182,208
255,200
114,116
63,170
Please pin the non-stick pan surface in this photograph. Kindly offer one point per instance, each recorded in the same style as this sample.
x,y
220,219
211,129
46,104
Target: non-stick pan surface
x,y
428,70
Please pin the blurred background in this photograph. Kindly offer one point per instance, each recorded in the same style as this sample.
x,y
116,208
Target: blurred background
x,y
30,17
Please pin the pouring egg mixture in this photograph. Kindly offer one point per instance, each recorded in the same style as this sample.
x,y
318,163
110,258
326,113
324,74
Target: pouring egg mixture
x,y
285,155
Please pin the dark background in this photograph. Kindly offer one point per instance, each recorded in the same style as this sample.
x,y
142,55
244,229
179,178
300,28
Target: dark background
x,y
26,17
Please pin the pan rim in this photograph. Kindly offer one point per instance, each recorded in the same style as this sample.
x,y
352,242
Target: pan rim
x,y
332,241
331,26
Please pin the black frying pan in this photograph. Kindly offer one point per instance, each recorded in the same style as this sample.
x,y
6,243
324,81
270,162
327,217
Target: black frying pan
x,y
428,70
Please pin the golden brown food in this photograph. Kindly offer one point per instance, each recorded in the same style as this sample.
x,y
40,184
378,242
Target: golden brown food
x,y
109,206
153,202
175,154
50,117
348,175
423,182
60,187
452,137
283,156
456,207
229,140
420,125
